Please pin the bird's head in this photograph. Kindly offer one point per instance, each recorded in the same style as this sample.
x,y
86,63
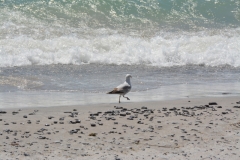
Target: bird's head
x,y
128,76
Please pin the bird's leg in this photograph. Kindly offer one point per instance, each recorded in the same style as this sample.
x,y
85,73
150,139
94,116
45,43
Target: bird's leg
x,y
119,98
126,97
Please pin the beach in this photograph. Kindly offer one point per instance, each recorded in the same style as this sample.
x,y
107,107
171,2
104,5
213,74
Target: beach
x,y
59,58
187,128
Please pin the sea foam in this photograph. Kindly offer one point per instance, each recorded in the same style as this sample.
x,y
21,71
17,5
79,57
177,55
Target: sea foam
x,y
163,49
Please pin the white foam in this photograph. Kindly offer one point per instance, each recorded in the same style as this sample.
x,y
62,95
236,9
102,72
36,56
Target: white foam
x,y
167,49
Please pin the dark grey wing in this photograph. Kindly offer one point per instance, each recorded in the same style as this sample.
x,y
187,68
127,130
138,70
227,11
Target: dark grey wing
x,y
126,89
121,89
115,91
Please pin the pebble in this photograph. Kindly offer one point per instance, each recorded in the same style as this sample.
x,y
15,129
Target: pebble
x,y
117,107
26,154
140,122
236,107
3,112
122,114
77,121
13,113
93,134
212,103
93,124
74,131
143,107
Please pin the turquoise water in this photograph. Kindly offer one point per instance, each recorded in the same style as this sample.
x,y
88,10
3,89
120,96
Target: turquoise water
x,y
128,14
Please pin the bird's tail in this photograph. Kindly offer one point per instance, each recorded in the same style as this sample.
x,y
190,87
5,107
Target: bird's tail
x,y
115,91
112,92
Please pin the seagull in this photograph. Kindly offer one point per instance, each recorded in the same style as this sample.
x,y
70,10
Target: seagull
x,y
123,89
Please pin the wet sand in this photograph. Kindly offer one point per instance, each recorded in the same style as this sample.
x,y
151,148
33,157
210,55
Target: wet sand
x,y
201,128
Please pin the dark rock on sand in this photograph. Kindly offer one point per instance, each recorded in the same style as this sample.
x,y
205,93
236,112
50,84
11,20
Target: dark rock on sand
x,y
236,107
212,103
3,112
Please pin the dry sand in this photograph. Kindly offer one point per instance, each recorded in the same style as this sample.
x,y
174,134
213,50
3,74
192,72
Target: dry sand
x,y
176,129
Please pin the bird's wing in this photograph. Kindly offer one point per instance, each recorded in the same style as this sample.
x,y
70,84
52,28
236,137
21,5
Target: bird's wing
x,y
123,88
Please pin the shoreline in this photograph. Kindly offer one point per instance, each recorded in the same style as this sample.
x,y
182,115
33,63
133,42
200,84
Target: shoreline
x,y
33,99
188,128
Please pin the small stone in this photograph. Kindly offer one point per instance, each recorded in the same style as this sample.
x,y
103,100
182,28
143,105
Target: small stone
x,y
212,103
72,122
26,154
122,114
78,121
73,131
3,112
41,137
93,134
14,112
117,107
143,107
93,125
173,109
236,107
140,122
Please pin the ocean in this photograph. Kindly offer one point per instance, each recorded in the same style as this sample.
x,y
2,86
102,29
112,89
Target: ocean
x,y
71,52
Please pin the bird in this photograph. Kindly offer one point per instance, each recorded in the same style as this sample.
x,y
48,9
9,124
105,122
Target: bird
x,y
123,89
